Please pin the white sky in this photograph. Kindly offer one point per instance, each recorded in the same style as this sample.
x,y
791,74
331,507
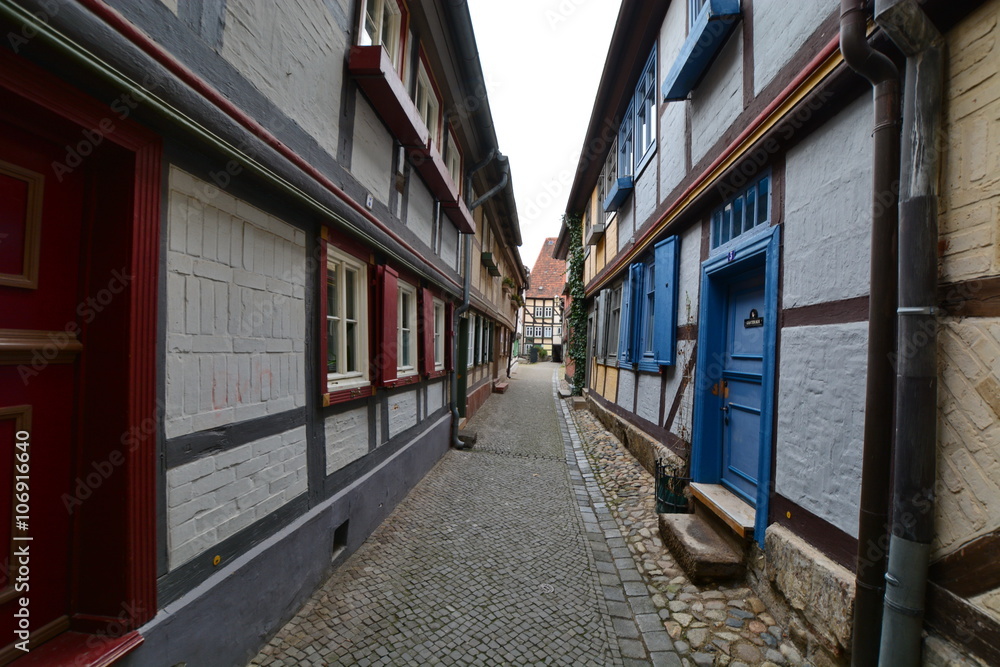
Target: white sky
x,y
542,60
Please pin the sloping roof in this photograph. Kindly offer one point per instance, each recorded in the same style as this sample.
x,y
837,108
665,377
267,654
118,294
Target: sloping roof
x,y
548,275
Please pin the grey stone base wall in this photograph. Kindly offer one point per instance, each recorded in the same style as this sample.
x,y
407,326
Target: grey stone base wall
x,y
224,621
644,447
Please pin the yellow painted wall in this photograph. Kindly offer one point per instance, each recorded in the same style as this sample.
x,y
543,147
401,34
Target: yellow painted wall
x,y
968,492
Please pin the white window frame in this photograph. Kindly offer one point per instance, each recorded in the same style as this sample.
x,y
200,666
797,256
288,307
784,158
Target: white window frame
x,y
339,263
548,311
453,160
539,310
428,104
470,359
439,335
558,331
644,105
547,332
377,11
406,329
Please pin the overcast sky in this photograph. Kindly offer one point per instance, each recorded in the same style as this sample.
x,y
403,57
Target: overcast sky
x,y
542,60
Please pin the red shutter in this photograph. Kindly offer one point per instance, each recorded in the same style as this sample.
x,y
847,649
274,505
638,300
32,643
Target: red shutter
x,y
385,350
426,332
449,337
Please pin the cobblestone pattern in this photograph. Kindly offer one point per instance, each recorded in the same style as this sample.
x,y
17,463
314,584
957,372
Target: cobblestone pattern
x,y
712,625
496,558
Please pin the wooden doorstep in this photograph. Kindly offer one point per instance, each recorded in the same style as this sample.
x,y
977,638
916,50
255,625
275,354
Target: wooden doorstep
x,y
722,502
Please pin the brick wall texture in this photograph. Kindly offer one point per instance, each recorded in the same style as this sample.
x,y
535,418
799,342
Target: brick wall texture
x,y
212,498
969,389
235,310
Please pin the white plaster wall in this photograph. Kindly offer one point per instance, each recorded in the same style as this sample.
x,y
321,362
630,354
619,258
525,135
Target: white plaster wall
x,y
436,397
828,196
645,192
821,401
778,33
671,139
235,310
371,161
673,126
420,213
402,412
214,497
346,438
625,221
449,244
626,388
293,52
648,405
689,284
718,99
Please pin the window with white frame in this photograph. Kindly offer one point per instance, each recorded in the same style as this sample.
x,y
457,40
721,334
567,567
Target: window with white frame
x,y
608,181
558,331
694,9
453,160
406,338
548,311
645,112
648,308
346,321
548,332
428,105
626,136
539,312
470,359
439,335
381,24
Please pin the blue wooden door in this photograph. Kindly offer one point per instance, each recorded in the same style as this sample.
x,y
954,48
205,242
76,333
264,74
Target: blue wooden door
x,y
741,386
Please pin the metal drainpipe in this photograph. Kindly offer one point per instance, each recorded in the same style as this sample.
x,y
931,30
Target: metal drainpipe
x,y
916,372
467,283
873,516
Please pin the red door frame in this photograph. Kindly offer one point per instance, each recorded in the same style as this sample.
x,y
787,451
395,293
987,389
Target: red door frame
x,y
138,445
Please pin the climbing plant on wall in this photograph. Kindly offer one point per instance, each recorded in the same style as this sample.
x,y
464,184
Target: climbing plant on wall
x,y
577,321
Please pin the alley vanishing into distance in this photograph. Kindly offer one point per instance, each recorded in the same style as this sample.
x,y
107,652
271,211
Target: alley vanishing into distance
x,y
519,552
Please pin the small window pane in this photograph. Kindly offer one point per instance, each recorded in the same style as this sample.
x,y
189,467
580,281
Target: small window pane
x,y
352,348
332,345
727,224
737,216
763,199
751,212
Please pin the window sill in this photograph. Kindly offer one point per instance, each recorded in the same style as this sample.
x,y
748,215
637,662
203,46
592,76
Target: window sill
x,y
619,192
402,381
707,36
337,395
438,373
371,67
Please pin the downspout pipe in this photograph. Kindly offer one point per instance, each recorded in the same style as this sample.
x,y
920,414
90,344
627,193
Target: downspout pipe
x,y
916,361
873,518
494,154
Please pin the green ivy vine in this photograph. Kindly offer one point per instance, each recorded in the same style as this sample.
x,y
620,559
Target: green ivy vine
x,y
576,323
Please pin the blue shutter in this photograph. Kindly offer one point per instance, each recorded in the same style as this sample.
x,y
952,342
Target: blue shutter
x,y
625,325
667,257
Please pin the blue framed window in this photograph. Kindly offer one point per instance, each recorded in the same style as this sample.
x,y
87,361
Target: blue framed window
x,y
636,138
648,333
613,326
711,22
749,209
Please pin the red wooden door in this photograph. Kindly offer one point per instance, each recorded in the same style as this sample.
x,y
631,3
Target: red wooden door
x,y
41,219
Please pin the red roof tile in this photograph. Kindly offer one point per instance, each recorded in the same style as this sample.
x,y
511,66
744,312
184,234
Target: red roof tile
x,y
548,275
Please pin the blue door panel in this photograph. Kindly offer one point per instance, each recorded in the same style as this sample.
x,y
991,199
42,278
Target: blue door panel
x,y
742,385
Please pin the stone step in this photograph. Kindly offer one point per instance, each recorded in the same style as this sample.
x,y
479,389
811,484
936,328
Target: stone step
x,y
500,387
699,549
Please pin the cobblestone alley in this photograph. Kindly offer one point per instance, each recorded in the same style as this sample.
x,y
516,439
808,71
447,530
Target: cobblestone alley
x,y
515,553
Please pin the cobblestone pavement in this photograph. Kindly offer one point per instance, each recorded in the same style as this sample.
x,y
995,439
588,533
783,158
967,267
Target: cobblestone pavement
x,y
503,555
713,625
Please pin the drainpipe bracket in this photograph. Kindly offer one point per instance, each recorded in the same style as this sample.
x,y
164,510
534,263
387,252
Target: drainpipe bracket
x,y
916,310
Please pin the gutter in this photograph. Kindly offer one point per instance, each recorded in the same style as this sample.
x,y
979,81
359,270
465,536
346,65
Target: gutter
x,y
916,372
873,516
